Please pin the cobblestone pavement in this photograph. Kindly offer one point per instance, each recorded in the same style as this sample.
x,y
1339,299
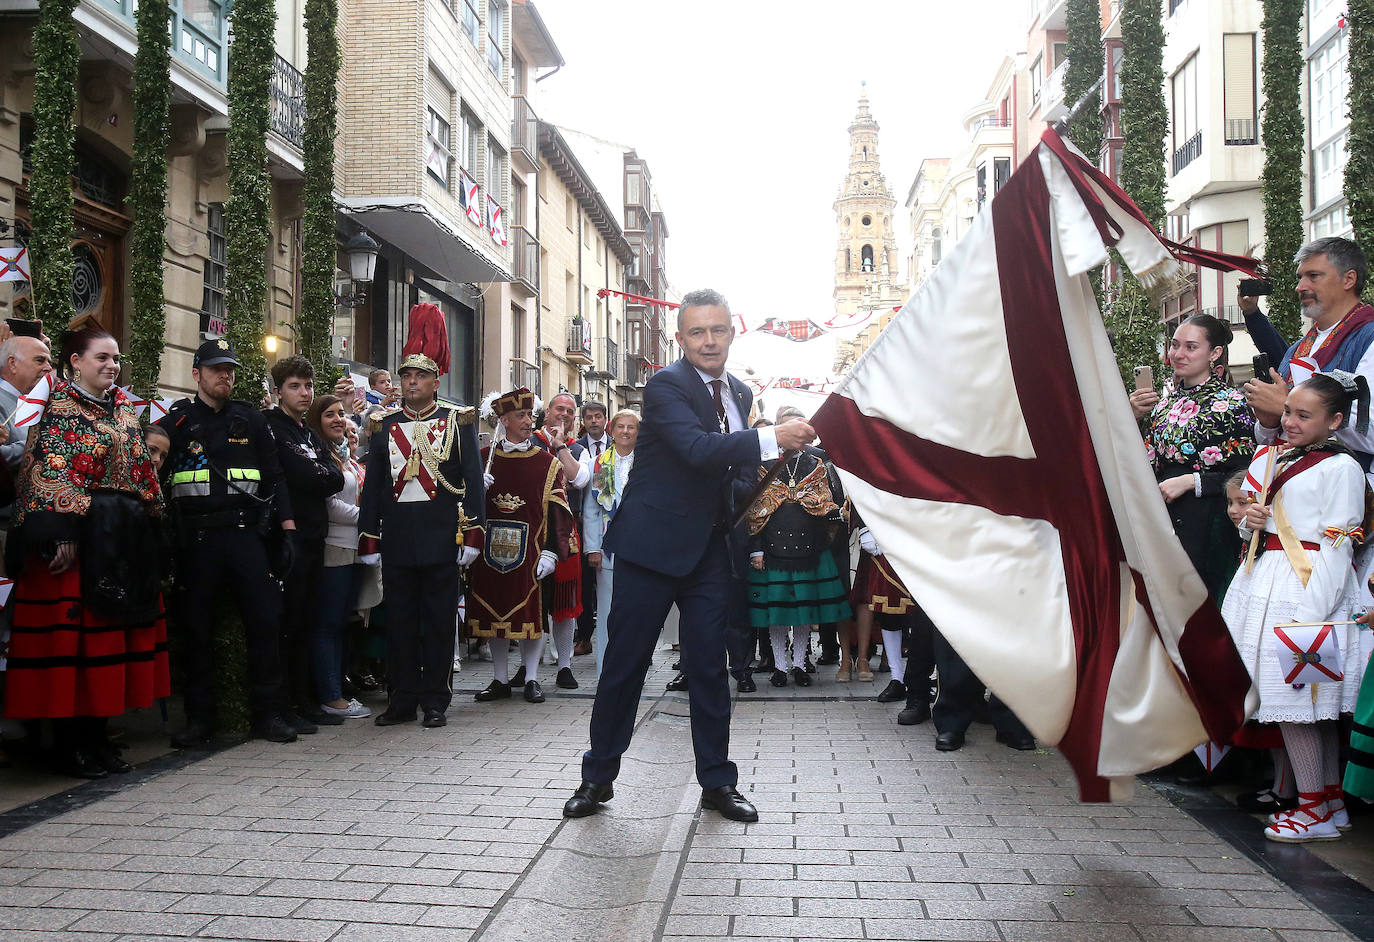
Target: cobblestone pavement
x,y
865,831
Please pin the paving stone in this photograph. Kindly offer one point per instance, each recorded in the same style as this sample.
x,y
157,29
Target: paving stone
x,y
176,924
910,930
255,928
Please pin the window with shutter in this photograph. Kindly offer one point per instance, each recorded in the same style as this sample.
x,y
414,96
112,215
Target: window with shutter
x,y
1238,58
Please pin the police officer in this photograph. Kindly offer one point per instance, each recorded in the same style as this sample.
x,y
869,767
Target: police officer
x,y
226,491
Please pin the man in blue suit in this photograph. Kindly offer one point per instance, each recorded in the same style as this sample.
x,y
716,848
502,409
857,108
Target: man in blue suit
x,y
669,538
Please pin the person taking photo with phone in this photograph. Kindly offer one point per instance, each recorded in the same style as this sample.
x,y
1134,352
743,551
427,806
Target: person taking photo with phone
x,y
1198,432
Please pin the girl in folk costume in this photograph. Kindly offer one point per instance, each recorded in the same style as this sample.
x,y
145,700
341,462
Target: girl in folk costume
x,y
1312,519
610,473
794,582
1199,433
878,593
89,640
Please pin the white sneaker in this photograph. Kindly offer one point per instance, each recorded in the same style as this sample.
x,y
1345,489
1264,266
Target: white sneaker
x,y
354,710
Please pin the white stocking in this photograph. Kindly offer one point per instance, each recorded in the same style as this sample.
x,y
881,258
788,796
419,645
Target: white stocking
x,y
892,645
778,635
1283,773
1304,744
1331,755
801,643
563,632
500,662
530,649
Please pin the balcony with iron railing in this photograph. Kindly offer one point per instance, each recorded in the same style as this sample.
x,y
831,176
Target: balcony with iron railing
x,y
525,255
579,348
524,373
1190,150
524,133
1240,131
610,357
287,105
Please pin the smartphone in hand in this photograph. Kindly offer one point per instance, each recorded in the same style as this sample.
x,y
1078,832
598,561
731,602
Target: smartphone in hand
x,y
1262,366
1144,377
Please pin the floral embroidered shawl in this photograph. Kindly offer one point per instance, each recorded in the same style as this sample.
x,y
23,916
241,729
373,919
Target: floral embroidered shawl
x,y
1201,428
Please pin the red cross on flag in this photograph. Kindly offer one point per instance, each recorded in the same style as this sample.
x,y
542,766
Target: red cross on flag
x,y
138,402
31,406
14,263
1308,654
987,440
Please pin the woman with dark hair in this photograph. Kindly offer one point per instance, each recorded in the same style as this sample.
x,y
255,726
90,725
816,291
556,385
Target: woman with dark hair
x,y
1198,433
338,582
88,636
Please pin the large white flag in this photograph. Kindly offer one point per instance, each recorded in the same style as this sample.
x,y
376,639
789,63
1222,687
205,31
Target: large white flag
x,y
987,440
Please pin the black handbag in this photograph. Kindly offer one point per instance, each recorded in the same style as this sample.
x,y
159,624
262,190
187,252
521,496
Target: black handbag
x,y
121,564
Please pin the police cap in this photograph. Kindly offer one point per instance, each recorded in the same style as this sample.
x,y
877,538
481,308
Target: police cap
x,y
213,352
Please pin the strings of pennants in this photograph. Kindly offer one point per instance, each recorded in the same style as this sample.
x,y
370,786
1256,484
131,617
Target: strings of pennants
x,y
796,330
820,386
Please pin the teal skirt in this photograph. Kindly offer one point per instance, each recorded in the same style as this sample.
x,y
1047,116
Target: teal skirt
x,y
800,597
1359,771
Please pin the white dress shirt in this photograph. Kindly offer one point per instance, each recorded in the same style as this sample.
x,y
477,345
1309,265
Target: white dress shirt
x,y
735,422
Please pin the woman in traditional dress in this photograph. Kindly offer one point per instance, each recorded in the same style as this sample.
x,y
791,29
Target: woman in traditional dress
x,y
794,582
339,577
1312,519
1197,434
89,640
610,472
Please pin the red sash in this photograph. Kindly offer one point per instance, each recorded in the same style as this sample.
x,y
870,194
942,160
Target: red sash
x,y
1327,351
1296,468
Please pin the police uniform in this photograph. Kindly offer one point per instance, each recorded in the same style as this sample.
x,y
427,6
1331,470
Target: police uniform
x,y
223,484
422,506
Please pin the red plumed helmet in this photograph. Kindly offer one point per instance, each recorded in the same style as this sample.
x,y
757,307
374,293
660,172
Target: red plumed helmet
x,y
427,334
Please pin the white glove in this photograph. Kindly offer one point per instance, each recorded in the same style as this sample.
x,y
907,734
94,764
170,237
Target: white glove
x,y
868,543
547,560
488,479
371,559
467,556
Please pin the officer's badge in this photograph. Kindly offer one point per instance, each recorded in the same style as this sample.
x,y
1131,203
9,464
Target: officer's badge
x,y
223,345
505,544
195,448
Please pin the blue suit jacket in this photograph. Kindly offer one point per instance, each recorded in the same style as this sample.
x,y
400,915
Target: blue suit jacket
x,y
679,487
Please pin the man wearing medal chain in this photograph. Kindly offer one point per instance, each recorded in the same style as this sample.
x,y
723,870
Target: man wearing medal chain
x,y
422,510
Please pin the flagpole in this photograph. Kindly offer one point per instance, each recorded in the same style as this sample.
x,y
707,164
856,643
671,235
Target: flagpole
x,y
1263,499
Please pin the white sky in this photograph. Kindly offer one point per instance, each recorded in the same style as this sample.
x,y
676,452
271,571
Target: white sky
x,y
742,108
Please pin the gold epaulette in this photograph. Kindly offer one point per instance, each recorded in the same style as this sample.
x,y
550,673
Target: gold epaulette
x,y
377,416
464,415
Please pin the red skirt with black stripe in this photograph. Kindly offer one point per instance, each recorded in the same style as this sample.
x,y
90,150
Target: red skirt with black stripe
x,y
876,586
65,660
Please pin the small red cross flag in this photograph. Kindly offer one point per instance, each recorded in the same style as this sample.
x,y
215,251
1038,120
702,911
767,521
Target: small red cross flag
x,y
31,406
14,263
159,408
1308,654
1259,467
1300,369
498,225
1210,755
6,587
138,402
1022,513
471,199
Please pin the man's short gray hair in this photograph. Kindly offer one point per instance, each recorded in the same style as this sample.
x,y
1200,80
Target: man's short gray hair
x,y
702,297
1343,254
10,348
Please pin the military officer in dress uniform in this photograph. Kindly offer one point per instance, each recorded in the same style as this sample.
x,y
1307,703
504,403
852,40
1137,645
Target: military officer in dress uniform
x,y
224,486
422,510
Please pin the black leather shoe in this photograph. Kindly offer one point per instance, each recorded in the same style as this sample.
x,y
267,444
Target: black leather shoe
x,y
195,735
764,667
914,715
677,683
274,729
106,755
299,723
565,679
894,691
587,799
677,665
779,679
730,803
828,658
948,742
518,680
319,717
1022,743
434,719
800,677
391,717
79,764
495,691
533,692
746,684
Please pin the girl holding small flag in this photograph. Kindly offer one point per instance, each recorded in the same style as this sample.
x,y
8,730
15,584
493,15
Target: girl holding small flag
x,y
1309,524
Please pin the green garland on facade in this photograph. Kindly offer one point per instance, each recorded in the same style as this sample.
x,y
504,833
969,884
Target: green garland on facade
x,y
1084,25
148,195
1283,136
1132,318
247,223
1359,167
57,60
314,324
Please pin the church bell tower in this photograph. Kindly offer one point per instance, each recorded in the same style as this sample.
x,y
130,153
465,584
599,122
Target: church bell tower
x,y
866,255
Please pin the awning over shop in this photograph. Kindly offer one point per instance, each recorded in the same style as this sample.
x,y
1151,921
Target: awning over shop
x,y
416,230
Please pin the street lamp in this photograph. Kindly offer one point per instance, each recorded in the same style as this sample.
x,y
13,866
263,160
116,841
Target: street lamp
x,y
362,264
